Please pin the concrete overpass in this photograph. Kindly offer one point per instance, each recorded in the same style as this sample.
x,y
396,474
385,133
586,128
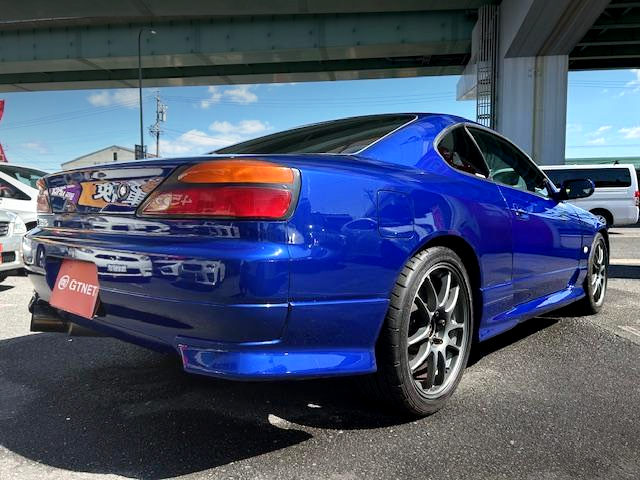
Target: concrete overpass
x,y
71,44
515,54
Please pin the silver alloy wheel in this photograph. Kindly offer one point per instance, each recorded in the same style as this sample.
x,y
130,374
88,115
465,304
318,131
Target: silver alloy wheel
x,y
599,273
438,330
602,218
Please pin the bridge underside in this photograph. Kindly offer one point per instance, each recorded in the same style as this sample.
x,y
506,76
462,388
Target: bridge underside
x,y
613,41
102,52
68,44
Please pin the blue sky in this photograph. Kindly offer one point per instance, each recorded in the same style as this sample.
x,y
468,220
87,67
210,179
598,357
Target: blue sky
x,y
44,129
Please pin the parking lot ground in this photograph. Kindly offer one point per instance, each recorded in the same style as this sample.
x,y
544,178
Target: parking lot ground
x,y
556,398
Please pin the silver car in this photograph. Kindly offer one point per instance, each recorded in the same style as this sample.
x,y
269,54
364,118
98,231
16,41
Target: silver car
x,y
12,229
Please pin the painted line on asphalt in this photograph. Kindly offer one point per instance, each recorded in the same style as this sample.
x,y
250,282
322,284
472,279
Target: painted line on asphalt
x,y
624,261
629,329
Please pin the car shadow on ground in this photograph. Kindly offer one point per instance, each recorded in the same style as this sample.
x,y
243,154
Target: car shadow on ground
x,y
516,334
98,405
4,288
624,271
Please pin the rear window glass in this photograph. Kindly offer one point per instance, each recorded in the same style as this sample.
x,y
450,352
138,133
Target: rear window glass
x,y
28,176
602,177
340,136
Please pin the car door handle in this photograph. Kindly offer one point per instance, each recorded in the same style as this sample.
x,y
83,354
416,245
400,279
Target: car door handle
x,y
520,213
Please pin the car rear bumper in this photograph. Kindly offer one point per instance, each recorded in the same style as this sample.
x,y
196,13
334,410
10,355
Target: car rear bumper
x,y
224,308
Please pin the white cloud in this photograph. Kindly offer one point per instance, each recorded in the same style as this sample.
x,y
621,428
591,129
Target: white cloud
x,y
574,127
597,141
197,142
37,147
633,84
285,84
242,94
127,97
214,97
630,133
596,135
242,128
100,99
193,142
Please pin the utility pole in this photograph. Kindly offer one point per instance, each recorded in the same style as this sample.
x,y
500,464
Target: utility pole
x,y
161,116
142,153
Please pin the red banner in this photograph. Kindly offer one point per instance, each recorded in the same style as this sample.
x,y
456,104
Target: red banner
x,y
1,108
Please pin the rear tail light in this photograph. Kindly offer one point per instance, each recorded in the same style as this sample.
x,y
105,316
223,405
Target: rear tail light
x,y
226,189
637,195
43,204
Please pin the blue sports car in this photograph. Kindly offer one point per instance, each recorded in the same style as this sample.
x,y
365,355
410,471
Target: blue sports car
x,y
380,245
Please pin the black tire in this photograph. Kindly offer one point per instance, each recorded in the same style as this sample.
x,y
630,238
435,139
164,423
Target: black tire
x,y
594,298
605,215
394,383
3,277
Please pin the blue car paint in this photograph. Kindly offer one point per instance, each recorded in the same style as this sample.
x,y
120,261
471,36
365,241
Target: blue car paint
x,y
307,297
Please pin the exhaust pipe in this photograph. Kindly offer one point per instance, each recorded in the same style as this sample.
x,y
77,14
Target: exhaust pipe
x,y
44,318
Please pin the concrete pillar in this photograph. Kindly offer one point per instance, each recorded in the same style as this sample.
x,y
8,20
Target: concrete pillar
x,y
531,105
534,40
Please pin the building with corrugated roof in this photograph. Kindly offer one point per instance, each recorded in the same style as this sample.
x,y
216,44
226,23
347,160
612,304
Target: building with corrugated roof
x,y
111,154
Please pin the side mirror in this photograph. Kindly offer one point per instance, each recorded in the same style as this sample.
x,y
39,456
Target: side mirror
x,y
572,189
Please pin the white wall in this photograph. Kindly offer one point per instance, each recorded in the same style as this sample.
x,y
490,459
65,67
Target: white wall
x,y
100,158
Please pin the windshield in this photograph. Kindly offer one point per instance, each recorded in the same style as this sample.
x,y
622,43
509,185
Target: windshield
x,y
340,136
28,176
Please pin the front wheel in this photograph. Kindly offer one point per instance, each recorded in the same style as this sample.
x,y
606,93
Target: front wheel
x,y
595,284
424,345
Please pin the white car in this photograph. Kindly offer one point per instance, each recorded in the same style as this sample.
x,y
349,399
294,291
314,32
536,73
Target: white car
x,y
616,197
12,229
19,192
117,264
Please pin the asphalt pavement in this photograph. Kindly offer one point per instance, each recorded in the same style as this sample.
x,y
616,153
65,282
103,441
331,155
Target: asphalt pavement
x,y
556,398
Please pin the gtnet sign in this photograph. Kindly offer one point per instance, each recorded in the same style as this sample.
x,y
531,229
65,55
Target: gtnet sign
x,y
76,288
84,288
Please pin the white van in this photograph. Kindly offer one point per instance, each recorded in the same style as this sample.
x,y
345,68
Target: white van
x,y
616,197
19,192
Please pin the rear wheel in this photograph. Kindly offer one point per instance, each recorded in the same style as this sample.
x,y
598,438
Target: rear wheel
x,y
604,216
595,284
3,277
424,345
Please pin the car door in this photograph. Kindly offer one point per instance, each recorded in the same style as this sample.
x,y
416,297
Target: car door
x,y
546,240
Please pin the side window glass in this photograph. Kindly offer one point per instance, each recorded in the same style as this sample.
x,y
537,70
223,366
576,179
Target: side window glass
x,y
508,166
459,151
9,191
